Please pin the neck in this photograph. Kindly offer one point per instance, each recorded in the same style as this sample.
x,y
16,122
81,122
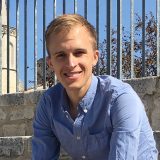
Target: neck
x,y
75,97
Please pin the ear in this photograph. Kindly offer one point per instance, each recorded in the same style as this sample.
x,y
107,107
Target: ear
x,y
49,62
96,57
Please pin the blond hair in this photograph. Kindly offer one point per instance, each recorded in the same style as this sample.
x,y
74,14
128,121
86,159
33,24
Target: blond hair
x,y
65,23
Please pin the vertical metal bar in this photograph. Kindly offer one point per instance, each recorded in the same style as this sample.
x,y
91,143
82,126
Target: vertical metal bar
x,y
109,36
143,39
132,37
64,6
54,16
0,47
17,45
8,51
97,29
44,48
75,6
158,45
119,39
25,45
85,9
35,44
54,7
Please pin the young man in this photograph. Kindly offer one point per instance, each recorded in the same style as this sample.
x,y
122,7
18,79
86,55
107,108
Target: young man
x,y
93,118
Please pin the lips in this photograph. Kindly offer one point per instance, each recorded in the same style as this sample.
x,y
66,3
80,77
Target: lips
x,y
73,74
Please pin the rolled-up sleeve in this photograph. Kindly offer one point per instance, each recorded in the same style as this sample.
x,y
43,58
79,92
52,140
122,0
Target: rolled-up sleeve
x,y
45,145
126,117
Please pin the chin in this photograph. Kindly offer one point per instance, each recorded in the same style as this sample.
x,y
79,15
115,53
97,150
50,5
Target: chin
x,y
72,87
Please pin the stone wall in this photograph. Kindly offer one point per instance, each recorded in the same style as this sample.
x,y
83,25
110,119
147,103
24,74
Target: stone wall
x,y
149,91
15,148
17,111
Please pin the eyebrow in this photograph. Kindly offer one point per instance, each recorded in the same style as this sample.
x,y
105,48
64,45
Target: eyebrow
x,y
81,49
77,49
59,52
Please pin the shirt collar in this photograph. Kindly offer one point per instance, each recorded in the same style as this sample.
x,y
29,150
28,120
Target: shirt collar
x,y
86,101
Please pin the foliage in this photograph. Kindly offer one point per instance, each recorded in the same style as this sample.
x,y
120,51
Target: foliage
x,y
50,78
150,49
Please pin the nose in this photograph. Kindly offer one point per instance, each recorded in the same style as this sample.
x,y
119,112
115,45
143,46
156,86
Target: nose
x,y
71,61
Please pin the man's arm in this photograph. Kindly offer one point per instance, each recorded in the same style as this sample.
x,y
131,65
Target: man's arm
x,y
126,116
45,145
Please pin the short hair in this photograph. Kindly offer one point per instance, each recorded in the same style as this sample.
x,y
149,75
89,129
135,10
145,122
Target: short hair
x,y
65,23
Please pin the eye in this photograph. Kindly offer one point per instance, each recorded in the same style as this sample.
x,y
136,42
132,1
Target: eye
x,y
60,55
79,53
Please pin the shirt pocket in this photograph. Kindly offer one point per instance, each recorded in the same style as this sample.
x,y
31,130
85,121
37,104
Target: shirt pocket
x,y
98,145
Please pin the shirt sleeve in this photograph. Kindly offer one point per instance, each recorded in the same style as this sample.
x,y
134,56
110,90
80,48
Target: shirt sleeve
x,y
126,115
45,145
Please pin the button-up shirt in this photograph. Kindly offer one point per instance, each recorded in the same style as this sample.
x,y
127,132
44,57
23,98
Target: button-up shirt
x,y
111,124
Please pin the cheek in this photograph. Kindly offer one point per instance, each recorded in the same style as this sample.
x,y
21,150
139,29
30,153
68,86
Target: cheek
x,y
89,66
57,68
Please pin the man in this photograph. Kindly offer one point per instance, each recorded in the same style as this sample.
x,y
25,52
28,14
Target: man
x,y
93,118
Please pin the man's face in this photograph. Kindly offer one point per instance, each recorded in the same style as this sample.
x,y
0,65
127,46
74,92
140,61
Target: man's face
x,y
72,57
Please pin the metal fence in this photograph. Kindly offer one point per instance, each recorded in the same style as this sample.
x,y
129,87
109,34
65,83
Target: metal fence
x,y
39,10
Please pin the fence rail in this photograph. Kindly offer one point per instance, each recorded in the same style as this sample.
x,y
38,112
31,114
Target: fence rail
x,y
39,11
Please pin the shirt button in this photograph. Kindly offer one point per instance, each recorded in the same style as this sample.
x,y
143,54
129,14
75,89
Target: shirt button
x,y
85,110
78,138
83,157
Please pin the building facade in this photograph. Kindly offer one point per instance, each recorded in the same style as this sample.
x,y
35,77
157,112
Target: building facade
x,y
12,53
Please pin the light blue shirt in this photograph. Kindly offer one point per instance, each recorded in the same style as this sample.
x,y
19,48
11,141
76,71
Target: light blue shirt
x,y
111,124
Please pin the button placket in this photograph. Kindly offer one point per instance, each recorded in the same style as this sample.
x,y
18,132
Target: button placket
x,y
77,128
78,137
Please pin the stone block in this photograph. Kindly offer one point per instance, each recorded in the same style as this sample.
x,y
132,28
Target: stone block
x,y
15,148
157,139
22,112
12,99
145,85
14,130
23,98
3,115
155,113
32,97
11,146
158,84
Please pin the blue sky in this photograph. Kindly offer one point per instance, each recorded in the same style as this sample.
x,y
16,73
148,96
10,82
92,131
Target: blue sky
x,y
69,9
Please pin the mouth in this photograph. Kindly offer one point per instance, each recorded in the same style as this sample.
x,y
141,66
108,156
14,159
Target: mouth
x,y
73,74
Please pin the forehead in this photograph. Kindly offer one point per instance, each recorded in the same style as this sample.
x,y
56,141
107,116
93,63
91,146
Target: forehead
x,y
69,29
77,32
77,38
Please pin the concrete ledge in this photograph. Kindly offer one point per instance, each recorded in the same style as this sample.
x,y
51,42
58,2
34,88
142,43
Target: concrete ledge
x,y
19,148
147,85
22,98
